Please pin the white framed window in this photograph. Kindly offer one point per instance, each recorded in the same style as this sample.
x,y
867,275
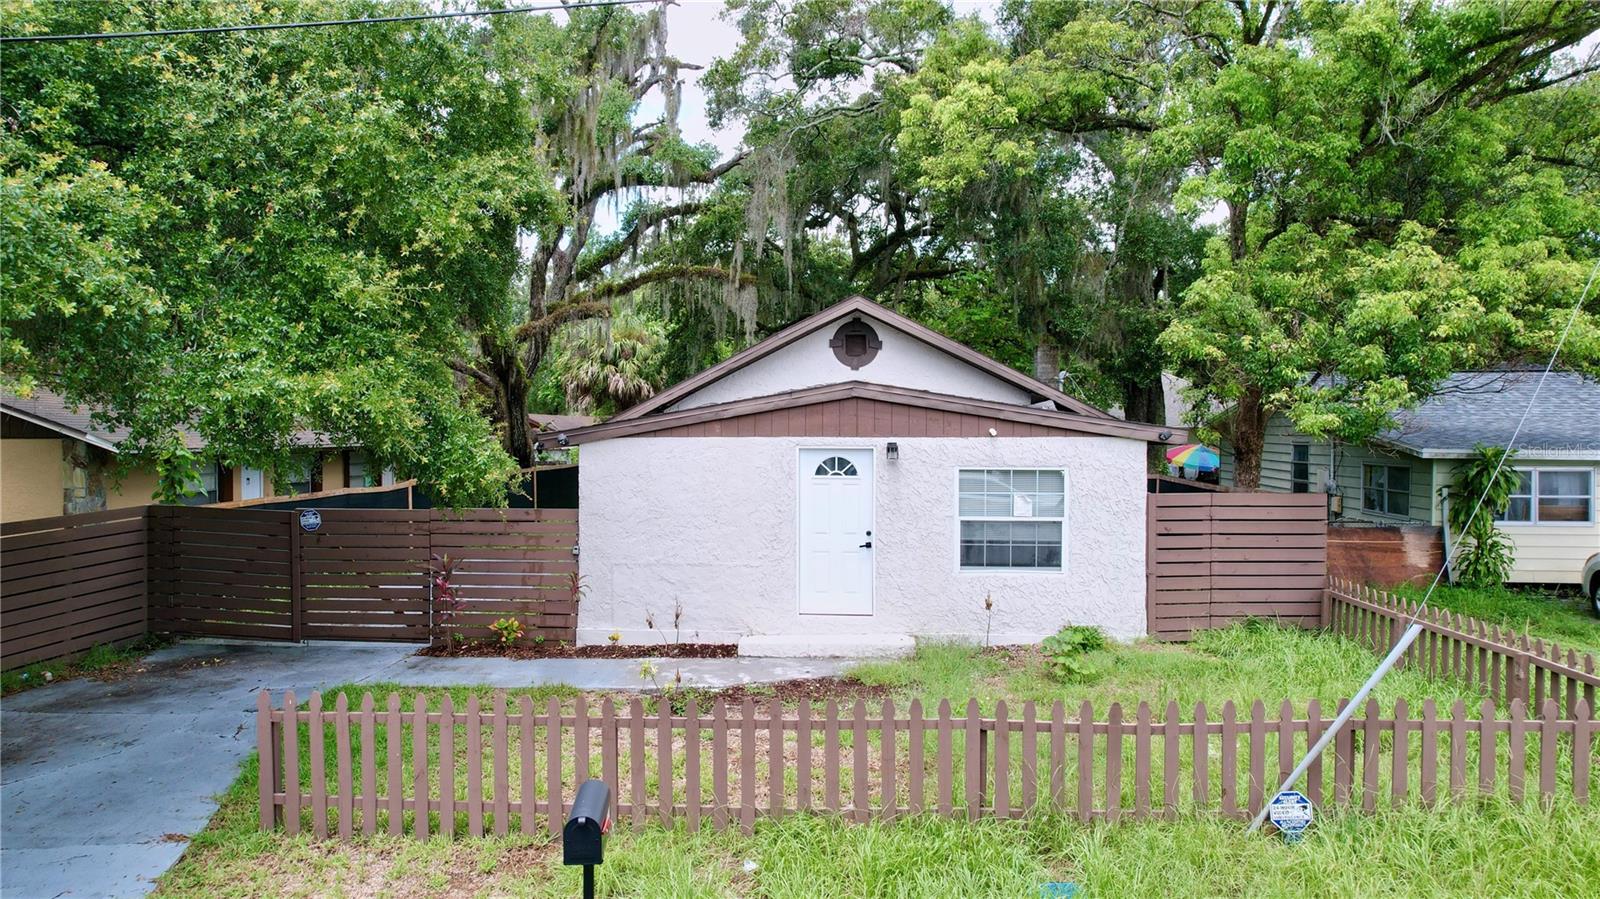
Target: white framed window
x,y
835,467
1011,519
1551,496
1386,489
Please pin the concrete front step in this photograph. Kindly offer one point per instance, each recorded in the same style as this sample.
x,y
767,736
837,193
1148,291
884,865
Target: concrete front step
x,y
811,646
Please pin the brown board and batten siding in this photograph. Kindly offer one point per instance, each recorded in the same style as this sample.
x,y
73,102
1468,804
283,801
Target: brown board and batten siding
x,y
861,418
1220,557
860,409
71,582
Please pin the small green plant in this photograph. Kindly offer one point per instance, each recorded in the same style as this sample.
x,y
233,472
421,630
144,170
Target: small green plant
x,y
507,630
1483,556
1065,651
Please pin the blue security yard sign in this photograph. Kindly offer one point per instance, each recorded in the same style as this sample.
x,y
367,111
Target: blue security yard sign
x,y
310,519
1290,812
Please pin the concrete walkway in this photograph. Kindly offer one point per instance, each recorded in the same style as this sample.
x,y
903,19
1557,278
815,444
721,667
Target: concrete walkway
x,y
101,783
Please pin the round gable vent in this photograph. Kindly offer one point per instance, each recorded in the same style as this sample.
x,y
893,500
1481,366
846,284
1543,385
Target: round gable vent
x,y
855,343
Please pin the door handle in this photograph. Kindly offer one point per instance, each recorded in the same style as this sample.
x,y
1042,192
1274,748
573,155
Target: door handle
x,y
868,544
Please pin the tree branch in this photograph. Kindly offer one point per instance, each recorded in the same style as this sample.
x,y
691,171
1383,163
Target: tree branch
x,y
591,265
603,293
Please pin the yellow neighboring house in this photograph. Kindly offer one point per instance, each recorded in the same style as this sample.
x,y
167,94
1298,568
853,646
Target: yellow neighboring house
x,y
55,461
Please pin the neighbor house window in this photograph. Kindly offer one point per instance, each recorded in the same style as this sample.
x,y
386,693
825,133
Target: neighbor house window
x,y
1551,496
1300,468
202,489
1011,518
1386,489
305,475
357,473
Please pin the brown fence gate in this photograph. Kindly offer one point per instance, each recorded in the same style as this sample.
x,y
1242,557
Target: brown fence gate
x,y
1217,557
355,574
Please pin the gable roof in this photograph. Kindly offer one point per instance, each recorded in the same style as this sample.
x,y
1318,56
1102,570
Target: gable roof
x,y
1470,408
855,305
960,416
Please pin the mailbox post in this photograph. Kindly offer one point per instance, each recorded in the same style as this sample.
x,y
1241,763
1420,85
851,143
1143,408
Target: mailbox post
x,y
583,839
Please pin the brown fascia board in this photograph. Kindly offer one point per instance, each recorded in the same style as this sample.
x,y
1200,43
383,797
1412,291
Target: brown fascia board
x,y
1067,421
852,306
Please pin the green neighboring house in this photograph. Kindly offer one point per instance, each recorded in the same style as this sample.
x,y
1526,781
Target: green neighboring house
x,y
1400,477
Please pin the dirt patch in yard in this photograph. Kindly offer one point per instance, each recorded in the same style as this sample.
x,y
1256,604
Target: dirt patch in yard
x,y
816,689
557,650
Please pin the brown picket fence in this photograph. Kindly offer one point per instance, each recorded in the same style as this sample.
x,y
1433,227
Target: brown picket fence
x,y
417,764
1501,664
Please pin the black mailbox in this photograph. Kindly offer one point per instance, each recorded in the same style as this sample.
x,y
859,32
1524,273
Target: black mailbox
x,y
583,840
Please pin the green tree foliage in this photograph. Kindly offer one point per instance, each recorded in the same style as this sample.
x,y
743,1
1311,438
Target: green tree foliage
x,y
1388,218
249,235
1482,488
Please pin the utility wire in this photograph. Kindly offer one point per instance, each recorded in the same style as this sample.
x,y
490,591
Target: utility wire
x,y
1414,626
282,26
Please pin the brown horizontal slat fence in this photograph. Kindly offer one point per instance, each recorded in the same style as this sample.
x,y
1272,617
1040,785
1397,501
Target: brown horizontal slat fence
x,y
364,575
1219,557
421,764
75,581
518,563
222,572
71,582
1501,664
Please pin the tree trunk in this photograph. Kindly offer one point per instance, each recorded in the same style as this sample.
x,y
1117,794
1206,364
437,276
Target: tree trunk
x,y
511,401
1248,434
1144,402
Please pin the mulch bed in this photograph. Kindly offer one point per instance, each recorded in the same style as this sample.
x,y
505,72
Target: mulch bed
x,y
551,649
816,689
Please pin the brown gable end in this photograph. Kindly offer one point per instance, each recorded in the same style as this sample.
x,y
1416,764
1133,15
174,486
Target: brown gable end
x,y
857,409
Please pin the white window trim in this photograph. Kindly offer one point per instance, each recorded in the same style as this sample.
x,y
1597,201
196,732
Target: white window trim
x,y
1362,488
1533,502
955,505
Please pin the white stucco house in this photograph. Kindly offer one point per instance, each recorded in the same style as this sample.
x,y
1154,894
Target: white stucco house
x,y
855,481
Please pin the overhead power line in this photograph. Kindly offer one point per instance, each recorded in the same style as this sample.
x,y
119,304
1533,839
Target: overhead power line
x,y
283,26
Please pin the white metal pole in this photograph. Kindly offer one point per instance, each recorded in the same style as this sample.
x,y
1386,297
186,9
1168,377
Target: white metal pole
x,y
1341,719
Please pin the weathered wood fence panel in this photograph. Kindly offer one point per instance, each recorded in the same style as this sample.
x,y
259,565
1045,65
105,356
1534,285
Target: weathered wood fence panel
x,y
71,582
221,573
522,764
1219,557
1503,665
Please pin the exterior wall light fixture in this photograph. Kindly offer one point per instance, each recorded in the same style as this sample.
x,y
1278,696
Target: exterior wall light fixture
x,y
893,451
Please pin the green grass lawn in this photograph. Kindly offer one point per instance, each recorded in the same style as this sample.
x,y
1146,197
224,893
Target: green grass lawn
x,y
1454,850
1562,617
1249,661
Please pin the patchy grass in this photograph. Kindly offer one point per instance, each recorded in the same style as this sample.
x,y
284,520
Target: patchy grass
x,y
1456,849
1563,617
105,660
1242,663
1452,851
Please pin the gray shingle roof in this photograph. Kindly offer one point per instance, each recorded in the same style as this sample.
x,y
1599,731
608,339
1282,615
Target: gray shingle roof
x,y
1484,407
50,410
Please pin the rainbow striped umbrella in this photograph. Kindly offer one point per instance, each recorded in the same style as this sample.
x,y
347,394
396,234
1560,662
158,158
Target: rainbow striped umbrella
x,y
1197,456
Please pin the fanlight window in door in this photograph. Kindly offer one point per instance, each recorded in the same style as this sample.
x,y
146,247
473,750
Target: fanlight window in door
x,y
835,467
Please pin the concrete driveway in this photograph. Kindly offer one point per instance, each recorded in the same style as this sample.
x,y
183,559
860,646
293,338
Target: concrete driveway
x,y
101,783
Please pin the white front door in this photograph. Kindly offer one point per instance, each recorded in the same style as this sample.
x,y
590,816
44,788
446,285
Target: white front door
x,y
250,483
836,531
